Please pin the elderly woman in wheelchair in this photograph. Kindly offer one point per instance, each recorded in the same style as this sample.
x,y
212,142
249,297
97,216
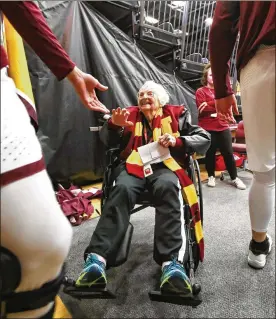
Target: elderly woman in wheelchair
x,y
153,120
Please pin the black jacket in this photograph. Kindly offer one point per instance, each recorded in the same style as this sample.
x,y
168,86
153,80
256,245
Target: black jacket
x,y
195,138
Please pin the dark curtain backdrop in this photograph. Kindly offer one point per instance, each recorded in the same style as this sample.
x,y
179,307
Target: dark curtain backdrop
x,y
98,47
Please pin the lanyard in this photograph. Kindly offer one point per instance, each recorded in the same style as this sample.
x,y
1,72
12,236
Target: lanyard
x,y
146,136
145,133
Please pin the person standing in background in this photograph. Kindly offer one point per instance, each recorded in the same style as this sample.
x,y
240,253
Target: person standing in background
x,y
255,23
221,137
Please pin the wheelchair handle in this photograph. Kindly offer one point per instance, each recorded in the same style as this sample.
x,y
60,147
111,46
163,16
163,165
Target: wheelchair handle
x,y
113,150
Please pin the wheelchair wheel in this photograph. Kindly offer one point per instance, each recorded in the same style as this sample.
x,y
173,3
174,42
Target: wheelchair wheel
x,y
112,160
105,186
195,177
105,189
199,188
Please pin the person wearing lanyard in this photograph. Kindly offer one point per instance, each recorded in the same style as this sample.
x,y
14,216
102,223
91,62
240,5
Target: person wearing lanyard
x,y
170,126
219,129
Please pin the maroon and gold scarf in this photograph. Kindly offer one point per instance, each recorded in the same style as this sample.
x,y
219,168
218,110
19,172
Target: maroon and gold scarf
x,y
134,165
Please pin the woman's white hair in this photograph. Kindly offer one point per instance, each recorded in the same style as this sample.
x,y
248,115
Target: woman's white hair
x,y
158,90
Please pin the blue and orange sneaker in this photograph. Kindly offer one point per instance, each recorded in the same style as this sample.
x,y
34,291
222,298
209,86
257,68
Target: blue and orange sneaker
x,y
93,273
174,279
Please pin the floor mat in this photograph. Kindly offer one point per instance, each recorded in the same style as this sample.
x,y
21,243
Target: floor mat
x,y
229,287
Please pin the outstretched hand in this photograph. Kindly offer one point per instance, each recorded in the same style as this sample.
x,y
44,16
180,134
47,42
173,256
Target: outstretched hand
x,y
225,108
85,85
120,117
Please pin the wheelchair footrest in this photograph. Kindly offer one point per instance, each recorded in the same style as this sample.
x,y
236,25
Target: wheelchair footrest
x,y
88,293
188,300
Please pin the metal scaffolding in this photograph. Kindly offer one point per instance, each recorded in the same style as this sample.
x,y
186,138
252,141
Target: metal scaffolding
x,y
161,16
187,21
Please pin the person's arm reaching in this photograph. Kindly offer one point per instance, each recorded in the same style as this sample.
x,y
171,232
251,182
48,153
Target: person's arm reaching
x,y
29,22
222,39
26,18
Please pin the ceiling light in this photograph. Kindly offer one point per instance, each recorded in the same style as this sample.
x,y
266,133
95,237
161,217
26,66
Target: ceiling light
x,y
151,20
208,21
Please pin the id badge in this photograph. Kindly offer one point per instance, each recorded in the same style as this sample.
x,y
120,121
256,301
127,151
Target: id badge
x,y
147,170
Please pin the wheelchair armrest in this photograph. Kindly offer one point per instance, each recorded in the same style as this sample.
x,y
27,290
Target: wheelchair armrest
x,y
112,151
112,155
190,157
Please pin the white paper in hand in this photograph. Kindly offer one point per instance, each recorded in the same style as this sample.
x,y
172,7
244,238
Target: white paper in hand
x,y
153,153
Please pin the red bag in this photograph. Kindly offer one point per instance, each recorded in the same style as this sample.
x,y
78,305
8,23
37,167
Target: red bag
x,y
220,164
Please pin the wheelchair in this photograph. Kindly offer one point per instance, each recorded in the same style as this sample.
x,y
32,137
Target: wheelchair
x,y
11,269
191,258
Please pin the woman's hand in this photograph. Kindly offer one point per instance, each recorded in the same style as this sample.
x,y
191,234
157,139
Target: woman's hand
x,y
85,85
167,140
120,117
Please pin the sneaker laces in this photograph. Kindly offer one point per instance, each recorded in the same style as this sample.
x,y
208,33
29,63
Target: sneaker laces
x,y
238,180
174,264
92,259
211,179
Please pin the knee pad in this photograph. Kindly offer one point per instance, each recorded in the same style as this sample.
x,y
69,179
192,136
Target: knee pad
x,y
12,302
10,271
267,178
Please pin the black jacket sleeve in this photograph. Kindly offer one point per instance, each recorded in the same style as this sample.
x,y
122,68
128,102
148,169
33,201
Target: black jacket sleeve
x,y
195,138
109,135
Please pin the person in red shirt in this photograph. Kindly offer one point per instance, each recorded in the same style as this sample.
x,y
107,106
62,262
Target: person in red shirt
x,y
255,23
219,129
34,230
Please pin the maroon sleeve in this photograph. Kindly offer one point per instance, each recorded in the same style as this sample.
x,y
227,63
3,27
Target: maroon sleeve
x,y
222,39
179,142
112,126
29,22
200,98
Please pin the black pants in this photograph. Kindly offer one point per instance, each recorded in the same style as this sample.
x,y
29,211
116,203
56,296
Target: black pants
x,y
164,188
223,141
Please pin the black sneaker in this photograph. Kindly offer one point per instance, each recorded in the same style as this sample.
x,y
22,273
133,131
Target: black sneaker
x,y
258,252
